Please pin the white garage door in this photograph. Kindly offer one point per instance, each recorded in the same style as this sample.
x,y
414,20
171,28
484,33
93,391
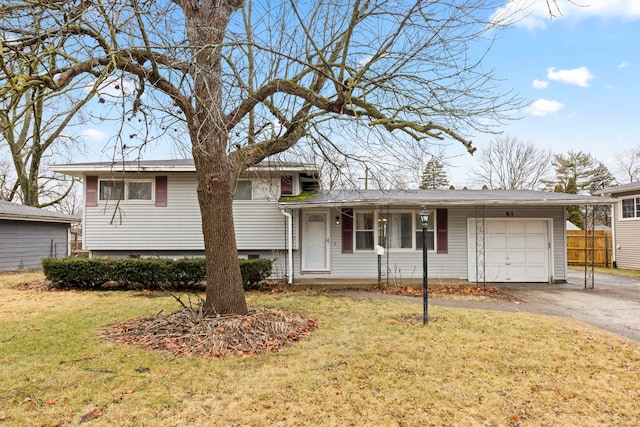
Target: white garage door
x,y
514,250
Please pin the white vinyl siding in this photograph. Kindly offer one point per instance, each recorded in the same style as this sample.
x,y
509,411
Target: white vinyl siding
x,y
141,227
627,240
401,265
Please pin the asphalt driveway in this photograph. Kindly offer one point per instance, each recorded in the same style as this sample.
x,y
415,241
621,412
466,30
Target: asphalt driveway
x,y
613,304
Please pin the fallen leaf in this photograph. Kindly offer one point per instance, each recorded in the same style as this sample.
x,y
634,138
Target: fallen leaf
x,y
91,415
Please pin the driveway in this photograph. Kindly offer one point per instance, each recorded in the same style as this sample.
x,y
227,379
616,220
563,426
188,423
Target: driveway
x,y
613,304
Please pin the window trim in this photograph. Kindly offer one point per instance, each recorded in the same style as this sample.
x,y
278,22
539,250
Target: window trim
x,y
636,208
125,192
415,216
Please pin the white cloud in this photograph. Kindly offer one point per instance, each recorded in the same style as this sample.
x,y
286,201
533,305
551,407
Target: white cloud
x,y
92,134
543,107
534,14
540,84
576,76
114,87
624,64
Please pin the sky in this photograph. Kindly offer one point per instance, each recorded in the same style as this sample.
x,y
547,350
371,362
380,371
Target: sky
x,y
579,72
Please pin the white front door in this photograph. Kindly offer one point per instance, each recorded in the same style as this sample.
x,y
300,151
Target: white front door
x,y
315,241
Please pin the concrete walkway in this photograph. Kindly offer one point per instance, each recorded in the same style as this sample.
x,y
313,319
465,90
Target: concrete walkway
x,y
613,304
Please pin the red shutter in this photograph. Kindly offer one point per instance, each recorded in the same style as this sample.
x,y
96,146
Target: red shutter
x,y
286,185
161,191
442,230
91,191
347,231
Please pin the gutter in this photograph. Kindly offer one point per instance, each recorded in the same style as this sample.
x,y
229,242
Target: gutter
x,y
289,245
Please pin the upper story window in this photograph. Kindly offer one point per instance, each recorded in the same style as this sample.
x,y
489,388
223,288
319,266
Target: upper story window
x,y
126,190
631,208
243,190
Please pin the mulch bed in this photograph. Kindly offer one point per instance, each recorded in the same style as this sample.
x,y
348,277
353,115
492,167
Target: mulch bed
x,y
188,333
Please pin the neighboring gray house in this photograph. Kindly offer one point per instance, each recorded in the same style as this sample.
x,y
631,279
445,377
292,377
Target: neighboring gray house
x,y
625,225
150,208
28,234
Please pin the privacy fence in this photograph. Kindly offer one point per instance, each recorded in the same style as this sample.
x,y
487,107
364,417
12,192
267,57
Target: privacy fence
x,y
583,247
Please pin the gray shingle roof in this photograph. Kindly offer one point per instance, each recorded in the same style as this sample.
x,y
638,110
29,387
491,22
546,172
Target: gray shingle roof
x,y
621,188
171,165
432,198
9,210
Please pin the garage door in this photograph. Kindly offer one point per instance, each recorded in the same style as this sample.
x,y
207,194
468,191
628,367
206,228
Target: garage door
x,y
514,250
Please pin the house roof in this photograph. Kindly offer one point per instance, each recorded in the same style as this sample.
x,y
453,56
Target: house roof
x,y
15,211
431,198
171,165
620,188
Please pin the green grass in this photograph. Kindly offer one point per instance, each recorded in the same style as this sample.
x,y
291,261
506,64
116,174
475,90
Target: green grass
x,y
364,365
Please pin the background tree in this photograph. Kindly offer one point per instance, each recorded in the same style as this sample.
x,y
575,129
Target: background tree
x,y
578,165
628,165
251,80
574,213
510,163
601,179
434,176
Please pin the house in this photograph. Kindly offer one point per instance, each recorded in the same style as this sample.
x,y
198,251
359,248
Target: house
x,y
625,224
28,234
150,208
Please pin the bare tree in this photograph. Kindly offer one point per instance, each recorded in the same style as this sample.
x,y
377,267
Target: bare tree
x,y
510,163
628,165
253,79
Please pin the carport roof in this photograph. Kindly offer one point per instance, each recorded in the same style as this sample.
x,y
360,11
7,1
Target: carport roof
x,y
435,198
15,211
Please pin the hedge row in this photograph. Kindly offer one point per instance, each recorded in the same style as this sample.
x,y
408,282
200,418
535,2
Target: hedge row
x,y
144,273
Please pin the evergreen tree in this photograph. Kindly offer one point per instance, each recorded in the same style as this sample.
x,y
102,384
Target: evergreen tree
x,y
574,213
578,165
434,176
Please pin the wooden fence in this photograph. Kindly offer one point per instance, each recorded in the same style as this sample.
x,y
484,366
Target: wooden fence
x,y
600,240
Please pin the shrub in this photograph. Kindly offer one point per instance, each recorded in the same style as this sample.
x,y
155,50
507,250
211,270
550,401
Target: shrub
x,y
145,273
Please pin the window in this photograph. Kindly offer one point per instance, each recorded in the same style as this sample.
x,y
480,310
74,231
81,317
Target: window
x,y
243,190
395,230
364,231
392,230
125,190
111,190
631,207
138,190
431,234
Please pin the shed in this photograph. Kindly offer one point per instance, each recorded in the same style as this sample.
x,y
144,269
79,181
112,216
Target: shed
x,y
28,234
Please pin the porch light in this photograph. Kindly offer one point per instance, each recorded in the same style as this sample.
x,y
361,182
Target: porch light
x,y
424,217
337,219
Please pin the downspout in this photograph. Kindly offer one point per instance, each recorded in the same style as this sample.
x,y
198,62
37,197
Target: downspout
x,y
289,245
614,264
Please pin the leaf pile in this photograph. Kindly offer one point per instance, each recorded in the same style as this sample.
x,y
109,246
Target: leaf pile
x,y
188,333
469,291
35,285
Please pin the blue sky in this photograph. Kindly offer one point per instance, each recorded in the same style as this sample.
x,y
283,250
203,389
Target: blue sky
x,y
581,73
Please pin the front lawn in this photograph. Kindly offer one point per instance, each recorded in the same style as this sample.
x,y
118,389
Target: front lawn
x,y
367,363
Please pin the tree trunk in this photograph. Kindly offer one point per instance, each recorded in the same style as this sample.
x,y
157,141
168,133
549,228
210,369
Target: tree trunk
x,y
216,184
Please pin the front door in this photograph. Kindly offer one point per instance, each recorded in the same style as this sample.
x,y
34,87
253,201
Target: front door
x,y
315,241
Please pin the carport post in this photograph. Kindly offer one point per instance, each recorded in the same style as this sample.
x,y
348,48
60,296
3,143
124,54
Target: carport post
x,y
424,217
